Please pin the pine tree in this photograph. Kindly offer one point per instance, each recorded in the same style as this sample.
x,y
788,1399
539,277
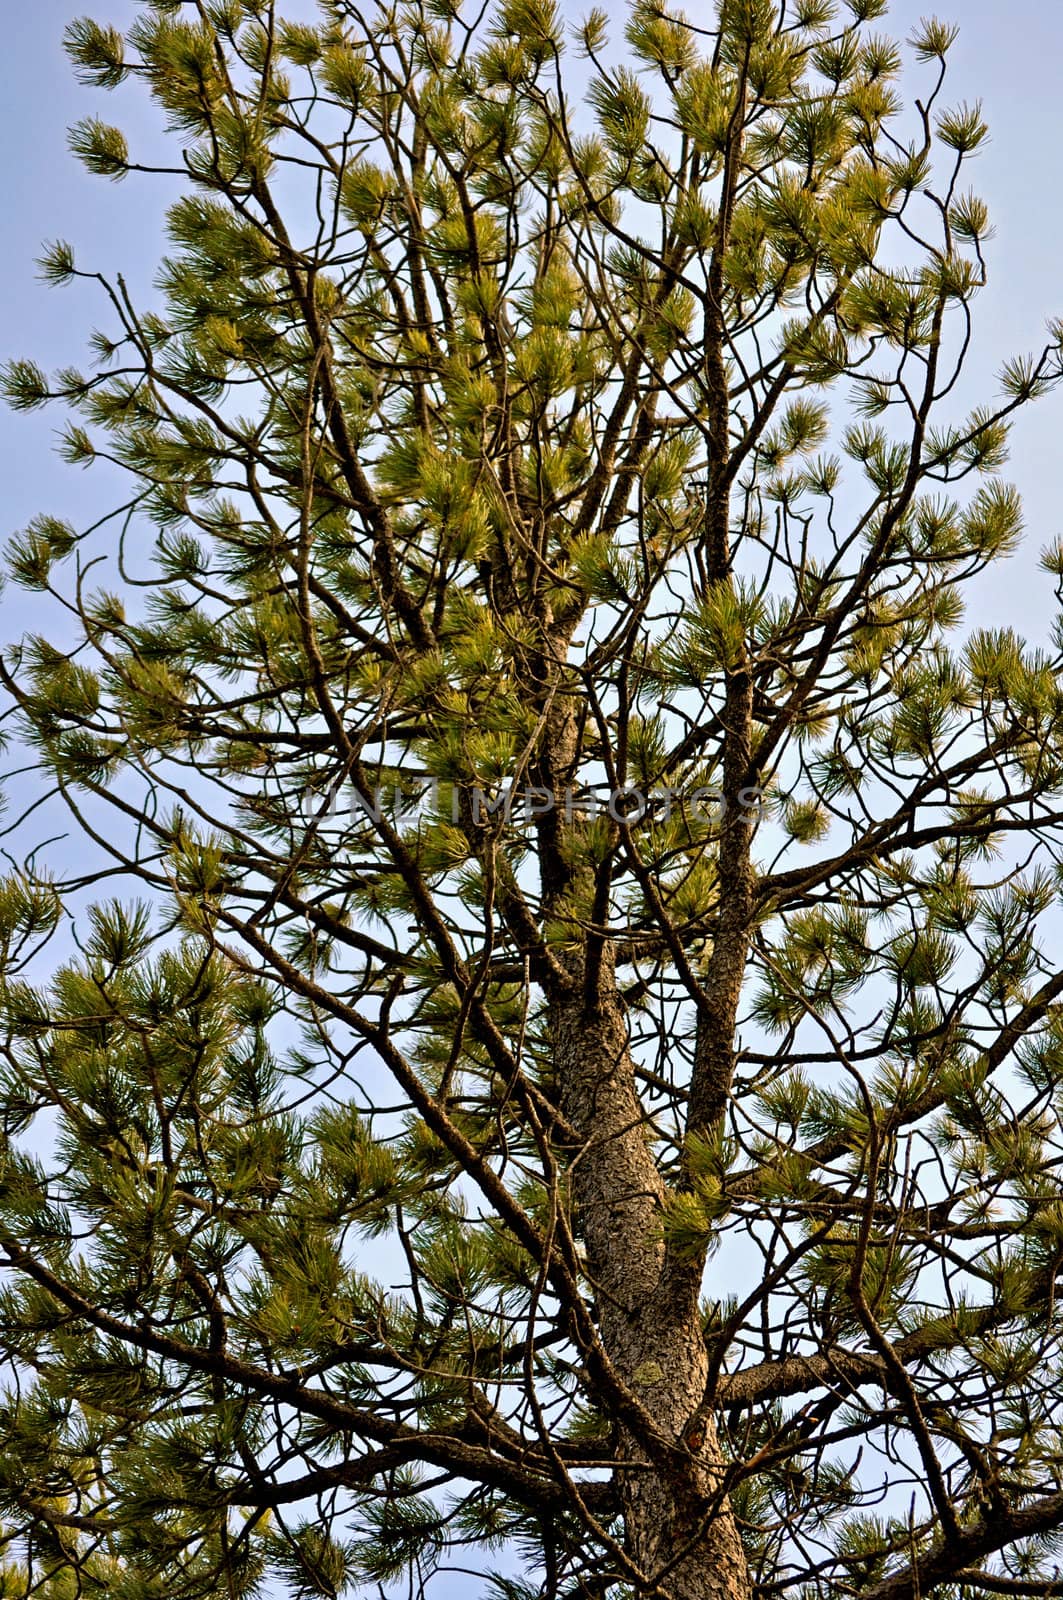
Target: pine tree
x,y
549,1055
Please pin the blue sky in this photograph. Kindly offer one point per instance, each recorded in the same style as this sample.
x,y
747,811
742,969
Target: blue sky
x,y
1010,55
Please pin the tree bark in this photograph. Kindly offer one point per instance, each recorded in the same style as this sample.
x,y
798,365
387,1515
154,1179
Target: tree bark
x,y
680,1527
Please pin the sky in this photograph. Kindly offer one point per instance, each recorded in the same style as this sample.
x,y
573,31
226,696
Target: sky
x,y
1009,54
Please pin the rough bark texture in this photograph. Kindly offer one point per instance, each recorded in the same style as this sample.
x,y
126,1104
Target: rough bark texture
x,y
680,1528
681,1531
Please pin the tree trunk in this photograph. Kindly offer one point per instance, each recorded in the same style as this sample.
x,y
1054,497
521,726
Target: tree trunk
x,y
680,1528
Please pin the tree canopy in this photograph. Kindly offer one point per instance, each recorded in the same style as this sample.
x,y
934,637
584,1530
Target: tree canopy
x,y
544,1058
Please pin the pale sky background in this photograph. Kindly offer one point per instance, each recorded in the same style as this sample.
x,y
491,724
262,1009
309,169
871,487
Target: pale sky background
x,y
1010,53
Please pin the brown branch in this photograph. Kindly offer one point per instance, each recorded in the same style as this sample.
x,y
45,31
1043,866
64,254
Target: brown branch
x,y
946,1563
